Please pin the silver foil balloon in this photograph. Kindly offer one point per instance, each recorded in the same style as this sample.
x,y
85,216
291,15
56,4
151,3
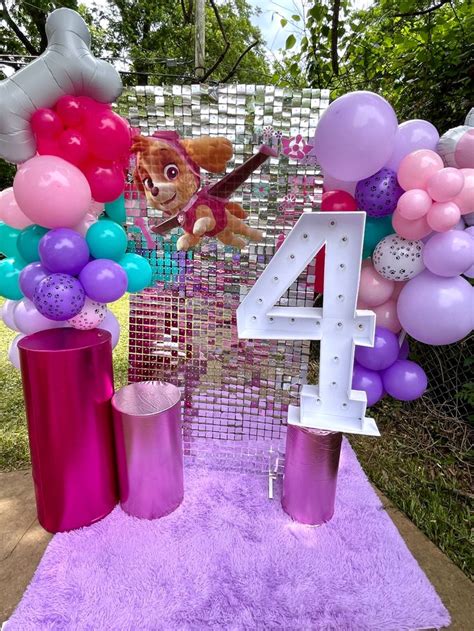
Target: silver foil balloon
x,y
67,66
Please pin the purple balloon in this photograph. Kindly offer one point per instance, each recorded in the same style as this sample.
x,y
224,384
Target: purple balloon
x,y
384,352
449,253
355,136
104,280
30,277
410,136
59,297
378,194
369,381
63,250
405,380
435,309
404,350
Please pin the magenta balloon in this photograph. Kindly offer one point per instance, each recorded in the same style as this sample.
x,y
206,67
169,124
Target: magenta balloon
x,y
449,253
63,250
384,352
369,381
435,309
30,277
404,380
410,136
355,136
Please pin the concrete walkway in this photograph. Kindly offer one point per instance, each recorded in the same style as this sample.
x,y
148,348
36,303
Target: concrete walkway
x,y
23,541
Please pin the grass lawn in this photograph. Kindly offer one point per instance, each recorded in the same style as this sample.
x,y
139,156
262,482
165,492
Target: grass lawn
x,y
419,463
14,452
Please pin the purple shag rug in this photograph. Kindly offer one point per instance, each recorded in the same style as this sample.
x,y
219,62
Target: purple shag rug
x,y
230,558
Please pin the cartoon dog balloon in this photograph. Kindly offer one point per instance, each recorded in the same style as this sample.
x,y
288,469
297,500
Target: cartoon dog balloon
x,y
168,171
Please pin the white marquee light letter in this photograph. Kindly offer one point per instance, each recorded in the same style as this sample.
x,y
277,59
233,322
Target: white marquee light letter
x,y
331,405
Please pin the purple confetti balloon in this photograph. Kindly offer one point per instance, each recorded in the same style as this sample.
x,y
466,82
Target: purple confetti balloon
x,y
30,277
59,297
104,280
64,251
369,381
378,194
384,352
404,380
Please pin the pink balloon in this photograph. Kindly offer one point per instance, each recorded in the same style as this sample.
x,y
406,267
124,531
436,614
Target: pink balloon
x,y
386,316
46,123
10,212
374,290
413,230
73,146
464,153
106,181
465,199
417,167
443,216
52,192
85,223
398,288
414,204
445,184
96,208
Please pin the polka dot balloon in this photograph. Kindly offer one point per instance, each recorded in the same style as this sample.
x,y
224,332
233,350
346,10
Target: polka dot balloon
x,y
59,297
398,259
378,194
90,316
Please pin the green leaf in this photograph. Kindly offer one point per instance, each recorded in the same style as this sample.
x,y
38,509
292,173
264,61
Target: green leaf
x,y
283,22
296,18
290,41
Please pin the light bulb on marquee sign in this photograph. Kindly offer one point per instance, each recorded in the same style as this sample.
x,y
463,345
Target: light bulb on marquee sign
x,y
332,405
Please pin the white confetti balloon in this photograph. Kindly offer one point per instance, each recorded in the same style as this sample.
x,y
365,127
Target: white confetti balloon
x,y
398,259
90,316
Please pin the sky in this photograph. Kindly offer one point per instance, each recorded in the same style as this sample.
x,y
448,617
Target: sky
x,y
272,11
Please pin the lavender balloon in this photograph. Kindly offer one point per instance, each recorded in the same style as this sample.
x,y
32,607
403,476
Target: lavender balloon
x,y
378,194
405,380
410,136
59,297
449,253
63,250
384,352
369,381
435,309
29,320
355,136
112,325
104,280
30,278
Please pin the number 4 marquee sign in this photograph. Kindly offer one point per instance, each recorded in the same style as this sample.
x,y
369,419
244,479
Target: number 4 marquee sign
x,y
332,404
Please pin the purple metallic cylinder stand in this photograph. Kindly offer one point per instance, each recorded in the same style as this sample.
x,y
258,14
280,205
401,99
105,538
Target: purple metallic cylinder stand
x,y
311,465
68,385
149,448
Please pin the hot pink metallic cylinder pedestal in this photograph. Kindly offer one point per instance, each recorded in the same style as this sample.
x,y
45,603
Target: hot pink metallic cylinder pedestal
x,y
311,465
149,448
68,385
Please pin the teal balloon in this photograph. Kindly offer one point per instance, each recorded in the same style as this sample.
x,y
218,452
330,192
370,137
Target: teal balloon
x,y
376,228
116,210
107,240
9,240
138,272
10,278
28,242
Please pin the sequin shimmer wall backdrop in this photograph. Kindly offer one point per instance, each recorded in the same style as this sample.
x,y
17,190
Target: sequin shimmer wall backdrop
x,y
183,330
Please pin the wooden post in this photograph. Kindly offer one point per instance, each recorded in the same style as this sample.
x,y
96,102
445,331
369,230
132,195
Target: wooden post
x,y
200,39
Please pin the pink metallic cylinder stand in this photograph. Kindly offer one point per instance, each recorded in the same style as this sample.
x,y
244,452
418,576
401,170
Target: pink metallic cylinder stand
x,y
149,448
68,385
311,465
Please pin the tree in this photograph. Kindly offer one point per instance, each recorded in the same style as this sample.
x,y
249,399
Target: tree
x,y
419,55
